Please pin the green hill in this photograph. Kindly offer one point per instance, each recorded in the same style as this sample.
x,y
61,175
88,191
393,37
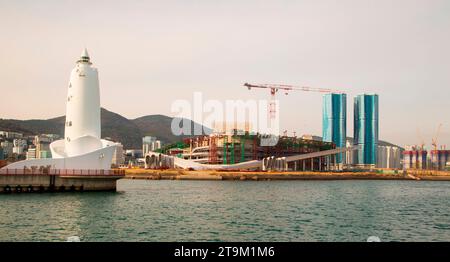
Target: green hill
x,y
114,126
160,126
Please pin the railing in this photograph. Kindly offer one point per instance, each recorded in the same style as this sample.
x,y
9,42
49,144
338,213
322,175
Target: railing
x,y
63,172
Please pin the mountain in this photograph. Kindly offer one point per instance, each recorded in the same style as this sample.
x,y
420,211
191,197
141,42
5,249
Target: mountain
x,y
114,126
32,127
160,126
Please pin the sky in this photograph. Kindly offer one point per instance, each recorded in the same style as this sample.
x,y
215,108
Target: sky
x,y
150,53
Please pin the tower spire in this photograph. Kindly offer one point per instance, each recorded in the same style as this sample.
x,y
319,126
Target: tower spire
x,y
84,56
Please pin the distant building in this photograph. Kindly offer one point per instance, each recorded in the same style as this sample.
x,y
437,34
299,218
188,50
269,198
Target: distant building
x,y
42,143
134,153
52,137
232,149
118,156
389,157
7,148
439,159
415,157
19,146
150,143
366,129
334,121
10,135
44,154
311,137
350,155
31,153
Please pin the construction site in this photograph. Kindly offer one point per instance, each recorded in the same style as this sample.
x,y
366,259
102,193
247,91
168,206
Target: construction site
x,y
419,158
229,149
242,149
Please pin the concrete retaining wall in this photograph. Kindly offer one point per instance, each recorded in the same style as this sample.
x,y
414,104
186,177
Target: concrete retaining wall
x,y
39,183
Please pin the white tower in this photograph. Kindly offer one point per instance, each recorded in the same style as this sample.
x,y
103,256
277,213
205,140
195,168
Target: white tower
x,y
82,127
81,147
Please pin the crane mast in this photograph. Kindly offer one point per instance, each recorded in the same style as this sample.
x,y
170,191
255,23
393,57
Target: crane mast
x,y
434,140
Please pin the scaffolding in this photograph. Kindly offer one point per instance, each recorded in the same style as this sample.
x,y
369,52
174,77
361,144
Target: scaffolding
x,y
225,150
236,148
213,150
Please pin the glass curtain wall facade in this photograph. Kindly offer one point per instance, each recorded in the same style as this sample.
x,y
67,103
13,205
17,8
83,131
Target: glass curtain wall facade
x,y
366,128
334,121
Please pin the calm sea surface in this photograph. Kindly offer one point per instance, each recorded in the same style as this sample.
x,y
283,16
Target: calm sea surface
x,y
234,211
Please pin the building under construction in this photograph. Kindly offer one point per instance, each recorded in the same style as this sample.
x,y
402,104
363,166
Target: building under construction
x,y
237,148
419,158
415,158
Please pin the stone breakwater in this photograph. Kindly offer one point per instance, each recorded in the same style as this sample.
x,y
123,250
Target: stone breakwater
x,y
174,174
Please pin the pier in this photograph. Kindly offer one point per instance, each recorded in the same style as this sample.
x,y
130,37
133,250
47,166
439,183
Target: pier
x,y
58,180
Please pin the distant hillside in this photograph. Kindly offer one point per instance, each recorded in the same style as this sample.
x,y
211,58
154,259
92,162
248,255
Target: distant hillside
x,y
380,143
32,127
160,126
118,128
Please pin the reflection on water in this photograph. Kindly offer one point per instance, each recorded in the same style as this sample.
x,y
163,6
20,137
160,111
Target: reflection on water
x,y
146,210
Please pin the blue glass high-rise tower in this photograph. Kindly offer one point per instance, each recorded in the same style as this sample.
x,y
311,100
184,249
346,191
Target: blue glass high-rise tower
x,y
334,120
366,128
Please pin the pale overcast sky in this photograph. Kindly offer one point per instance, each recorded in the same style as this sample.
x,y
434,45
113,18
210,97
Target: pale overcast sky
x,y
150,53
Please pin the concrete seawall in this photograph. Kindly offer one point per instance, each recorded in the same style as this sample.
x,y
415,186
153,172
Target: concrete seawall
x,y
20,182
174,174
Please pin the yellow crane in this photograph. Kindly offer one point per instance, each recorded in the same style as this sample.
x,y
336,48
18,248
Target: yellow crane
x,y
435,138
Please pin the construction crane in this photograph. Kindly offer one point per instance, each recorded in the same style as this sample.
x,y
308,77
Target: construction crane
x,y
435,138
274,88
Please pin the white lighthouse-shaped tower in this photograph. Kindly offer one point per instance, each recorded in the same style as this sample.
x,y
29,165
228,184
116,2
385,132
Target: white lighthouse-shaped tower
x,y
82,146
82,126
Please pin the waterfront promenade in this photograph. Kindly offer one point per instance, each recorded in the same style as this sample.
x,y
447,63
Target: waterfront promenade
x,y
175,174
